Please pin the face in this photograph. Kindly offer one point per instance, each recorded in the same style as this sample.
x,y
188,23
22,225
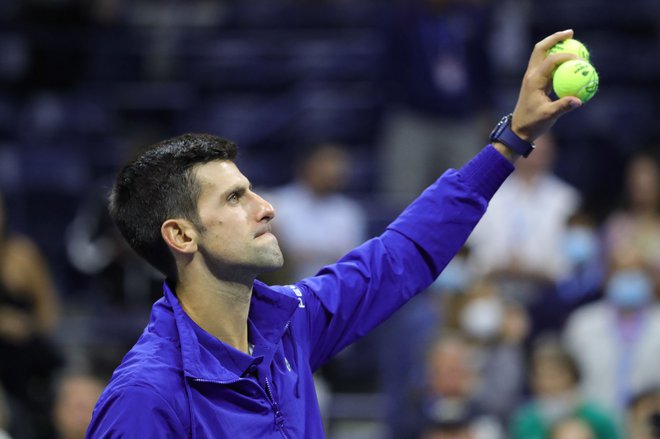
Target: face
x,y
643,182
462,433
74,405
236,238
639,415
550,376
326,171
542,159
572,429
449,369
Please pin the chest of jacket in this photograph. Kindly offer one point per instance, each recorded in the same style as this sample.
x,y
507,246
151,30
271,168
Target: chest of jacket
x,y
275,400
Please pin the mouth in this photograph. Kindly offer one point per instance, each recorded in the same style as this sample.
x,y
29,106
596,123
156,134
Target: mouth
x,y
263,231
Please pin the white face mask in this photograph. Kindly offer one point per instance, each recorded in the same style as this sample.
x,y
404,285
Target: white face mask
x,y
553,408
580,244
629,289
482,318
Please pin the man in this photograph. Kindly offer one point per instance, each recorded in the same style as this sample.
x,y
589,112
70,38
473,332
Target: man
x,y
227,356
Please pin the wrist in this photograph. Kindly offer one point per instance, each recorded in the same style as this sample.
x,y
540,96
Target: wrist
x,y
505,134
507,152
520,132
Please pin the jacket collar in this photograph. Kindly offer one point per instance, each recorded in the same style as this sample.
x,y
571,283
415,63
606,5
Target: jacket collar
x,y
270,312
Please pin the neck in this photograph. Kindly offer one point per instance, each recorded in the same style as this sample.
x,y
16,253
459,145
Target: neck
x,y
218,306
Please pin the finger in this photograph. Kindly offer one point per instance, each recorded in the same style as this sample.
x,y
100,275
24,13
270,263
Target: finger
x,y
541,48
564,105
550,63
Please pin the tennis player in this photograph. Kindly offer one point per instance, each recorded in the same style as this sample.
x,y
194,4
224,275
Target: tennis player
x,y
226,356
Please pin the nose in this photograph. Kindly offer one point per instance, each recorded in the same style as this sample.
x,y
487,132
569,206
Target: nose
x,y
266,210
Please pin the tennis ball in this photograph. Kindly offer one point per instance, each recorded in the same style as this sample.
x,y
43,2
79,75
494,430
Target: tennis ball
x,y
575,78
571,46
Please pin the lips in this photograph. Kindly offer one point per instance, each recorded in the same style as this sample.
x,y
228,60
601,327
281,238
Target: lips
x,y
262,231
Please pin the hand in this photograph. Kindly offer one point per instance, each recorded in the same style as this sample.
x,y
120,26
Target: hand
x,y
15,326
535,112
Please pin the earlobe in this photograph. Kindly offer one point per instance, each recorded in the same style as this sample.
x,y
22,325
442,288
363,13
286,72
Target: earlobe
x,y
179,235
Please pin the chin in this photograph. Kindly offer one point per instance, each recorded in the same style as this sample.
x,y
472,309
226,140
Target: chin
x,y
275,264
271,261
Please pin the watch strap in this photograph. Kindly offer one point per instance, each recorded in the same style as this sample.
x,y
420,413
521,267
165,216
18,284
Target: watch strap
x,y
504,134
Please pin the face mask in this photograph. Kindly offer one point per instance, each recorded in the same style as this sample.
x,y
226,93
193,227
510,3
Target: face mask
x,y
454,278
482,318
554,408
629,289
580,245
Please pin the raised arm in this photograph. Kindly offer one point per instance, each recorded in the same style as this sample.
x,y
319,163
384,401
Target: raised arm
x,y
347,299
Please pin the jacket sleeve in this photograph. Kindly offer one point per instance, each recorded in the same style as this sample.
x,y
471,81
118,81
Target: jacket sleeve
x,y
134,412
347,299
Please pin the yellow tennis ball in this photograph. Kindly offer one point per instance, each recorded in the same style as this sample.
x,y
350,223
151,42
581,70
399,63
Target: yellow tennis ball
x,y
575,78
571,46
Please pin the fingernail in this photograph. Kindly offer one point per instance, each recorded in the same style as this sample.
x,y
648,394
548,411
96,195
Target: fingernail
x,y
575,103
568,30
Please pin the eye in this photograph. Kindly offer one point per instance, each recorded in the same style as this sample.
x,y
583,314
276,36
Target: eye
x,y
233,197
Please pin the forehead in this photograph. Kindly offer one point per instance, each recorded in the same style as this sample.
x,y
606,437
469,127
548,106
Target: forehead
x,y
218,176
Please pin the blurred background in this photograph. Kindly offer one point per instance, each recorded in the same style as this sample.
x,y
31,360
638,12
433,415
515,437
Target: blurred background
x,y
546,325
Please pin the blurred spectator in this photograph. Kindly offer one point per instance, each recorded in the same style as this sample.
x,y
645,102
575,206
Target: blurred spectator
x,y
449,423
555,384
452,385
615,340
521,234
404,343
497,329
437,75
572,428
457,275
28,317
75,398
405,339
315,223
584,253
635,229
520,239
582,283
116,275
643,407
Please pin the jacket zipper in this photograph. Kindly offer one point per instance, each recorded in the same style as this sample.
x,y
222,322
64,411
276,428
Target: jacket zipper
x,y
199,380
279,418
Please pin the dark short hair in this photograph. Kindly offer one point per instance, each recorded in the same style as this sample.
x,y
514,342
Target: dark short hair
x,y
158,185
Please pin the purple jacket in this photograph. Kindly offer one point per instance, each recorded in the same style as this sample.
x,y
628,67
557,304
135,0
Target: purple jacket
x,y
178,381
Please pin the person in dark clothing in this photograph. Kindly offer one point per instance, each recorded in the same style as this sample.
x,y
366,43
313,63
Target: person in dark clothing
x,y
28,315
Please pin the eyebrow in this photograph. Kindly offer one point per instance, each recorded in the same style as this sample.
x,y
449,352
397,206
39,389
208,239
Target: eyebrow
x,y
238,188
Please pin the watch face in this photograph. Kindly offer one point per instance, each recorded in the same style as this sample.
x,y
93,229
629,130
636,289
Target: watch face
x,y
503,133
501,126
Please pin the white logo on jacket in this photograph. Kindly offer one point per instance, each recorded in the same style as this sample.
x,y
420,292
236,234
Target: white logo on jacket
x,y
298,294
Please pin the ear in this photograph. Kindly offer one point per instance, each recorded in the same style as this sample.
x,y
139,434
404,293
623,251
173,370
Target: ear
x,y
180,235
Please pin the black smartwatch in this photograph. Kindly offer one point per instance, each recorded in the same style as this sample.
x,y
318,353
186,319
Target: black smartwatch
x,y
504,134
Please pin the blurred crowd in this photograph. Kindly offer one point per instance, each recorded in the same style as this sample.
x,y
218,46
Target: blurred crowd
x,y
545,326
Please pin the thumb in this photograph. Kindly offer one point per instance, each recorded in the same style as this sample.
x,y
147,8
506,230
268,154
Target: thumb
x,y
564,105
